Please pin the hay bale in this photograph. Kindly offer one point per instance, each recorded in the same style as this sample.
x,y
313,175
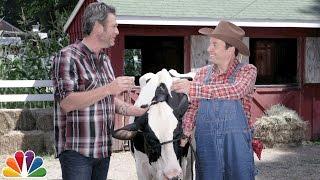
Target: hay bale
x,y
22,119
22,140
5,123
45,123
44,120
280,126
48,138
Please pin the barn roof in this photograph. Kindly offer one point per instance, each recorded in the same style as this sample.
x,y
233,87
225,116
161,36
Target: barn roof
x,y
5,26
255,13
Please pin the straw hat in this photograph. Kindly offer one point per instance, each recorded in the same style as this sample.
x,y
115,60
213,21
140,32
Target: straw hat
x,y
229,33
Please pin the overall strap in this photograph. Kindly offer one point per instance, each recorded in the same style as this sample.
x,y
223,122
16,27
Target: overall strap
x,y
208,75
232,77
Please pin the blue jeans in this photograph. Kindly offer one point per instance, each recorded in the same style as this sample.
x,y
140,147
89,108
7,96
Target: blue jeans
x,y
79,167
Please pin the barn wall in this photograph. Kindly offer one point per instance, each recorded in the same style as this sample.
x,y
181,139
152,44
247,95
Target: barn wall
x,y
310,108
312,60
245,59
199,54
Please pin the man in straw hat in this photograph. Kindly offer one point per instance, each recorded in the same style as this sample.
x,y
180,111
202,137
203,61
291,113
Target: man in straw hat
x,y
220,97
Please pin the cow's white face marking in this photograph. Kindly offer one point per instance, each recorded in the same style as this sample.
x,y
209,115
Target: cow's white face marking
x,y
164,77
163,122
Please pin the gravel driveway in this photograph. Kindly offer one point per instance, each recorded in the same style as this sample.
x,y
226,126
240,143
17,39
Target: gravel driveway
x,y
286,163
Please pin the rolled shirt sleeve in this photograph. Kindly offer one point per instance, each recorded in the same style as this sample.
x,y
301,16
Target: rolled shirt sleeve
x,y
64,75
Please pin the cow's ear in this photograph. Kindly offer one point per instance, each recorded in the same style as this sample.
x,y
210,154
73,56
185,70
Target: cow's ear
x,y
127,132
182,107
141,121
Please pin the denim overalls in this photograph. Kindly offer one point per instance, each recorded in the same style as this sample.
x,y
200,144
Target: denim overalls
x,y
223,138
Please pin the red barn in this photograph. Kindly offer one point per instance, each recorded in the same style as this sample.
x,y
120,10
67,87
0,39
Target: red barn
x,y
283,36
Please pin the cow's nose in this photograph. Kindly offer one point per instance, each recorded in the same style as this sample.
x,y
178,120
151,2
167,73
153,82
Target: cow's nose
x,y
173,174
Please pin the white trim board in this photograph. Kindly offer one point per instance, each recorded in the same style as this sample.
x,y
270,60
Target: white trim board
x,y
26,97
25,83
208,22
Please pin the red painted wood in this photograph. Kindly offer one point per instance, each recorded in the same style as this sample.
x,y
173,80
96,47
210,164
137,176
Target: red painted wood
x,y
301,70
145,30
187,54
301,59
316,118
306,108
258,32
117,56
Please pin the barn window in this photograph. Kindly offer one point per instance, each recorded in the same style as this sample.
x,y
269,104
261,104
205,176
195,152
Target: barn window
x,y
275,59
132,62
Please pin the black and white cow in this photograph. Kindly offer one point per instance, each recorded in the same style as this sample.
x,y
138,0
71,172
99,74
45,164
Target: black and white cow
x,y
156,135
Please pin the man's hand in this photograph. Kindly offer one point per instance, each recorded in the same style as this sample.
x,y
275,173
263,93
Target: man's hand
x,y
120,84
181,86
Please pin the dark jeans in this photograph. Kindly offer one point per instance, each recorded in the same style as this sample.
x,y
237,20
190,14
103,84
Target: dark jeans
x,y
75,166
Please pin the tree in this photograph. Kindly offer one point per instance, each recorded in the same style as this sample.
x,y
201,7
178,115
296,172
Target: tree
x,y
10,10
35,11
2,3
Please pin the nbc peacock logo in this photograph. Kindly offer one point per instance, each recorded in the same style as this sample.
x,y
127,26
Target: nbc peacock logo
x,y
24,165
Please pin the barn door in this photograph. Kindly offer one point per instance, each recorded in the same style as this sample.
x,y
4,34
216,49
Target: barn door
x,y
264,60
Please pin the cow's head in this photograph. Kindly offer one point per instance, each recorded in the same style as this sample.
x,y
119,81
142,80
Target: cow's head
x,y
158,131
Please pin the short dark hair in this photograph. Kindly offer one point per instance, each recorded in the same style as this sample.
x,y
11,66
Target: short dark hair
x,y
97,11
236,52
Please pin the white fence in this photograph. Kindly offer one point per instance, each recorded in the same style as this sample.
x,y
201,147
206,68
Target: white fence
x,y
25,84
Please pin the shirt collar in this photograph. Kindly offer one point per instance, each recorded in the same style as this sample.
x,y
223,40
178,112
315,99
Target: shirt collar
x,y
230,69
85,48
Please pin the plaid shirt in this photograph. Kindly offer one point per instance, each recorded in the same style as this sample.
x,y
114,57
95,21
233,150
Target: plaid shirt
x,y
219,88
86,130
